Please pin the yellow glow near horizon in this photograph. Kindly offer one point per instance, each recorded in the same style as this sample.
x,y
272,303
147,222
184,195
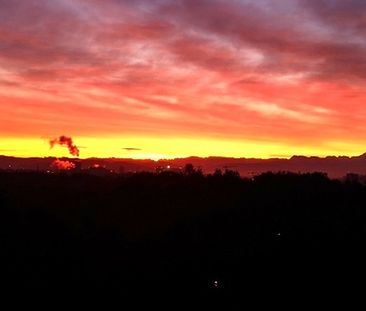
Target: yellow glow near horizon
x,y
167,148
165,85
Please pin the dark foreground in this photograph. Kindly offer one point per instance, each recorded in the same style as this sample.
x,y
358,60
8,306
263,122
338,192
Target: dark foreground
x,y
214,242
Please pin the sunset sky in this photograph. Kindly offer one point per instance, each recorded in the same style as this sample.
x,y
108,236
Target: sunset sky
x,y
165,78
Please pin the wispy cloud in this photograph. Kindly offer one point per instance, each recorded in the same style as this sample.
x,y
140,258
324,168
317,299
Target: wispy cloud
x,y
131,149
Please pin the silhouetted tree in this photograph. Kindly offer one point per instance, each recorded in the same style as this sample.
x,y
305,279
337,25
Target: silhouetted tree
x,y
217,173
231,174
173,232
189,169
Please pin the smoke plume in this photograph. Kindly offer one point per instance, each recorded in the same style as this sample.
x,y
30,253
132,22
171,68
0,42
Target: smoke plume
x,y
62,165
67,142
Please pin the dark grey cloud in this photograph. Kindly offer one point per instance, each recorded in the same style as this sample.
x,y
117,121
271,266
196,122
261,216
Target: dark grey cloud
x,y
131,149
321,38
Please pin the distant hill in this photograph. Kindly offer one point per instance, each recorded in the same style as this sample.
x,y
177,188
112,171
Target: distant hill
x,y
334,166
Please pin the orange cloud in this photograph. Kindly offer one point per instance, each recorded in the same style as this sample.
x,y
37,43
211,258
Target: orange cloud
x,y
286,73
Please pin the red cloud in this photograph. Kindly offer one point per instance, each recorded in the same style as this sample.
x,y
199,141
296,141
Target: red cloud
x,y
73,64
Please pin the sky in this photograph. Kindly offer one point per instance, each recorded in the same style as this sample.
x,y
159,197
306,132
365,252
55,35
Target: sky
x,y
165,78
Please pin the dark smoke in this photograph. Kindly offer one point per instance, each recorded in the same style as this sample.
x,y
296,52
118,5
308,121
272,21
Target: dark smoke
x,y
131,149
66,141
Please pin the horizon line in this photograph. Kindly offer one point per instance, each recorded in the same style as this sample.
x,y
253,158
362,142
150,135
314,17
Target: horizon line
x,y
187,157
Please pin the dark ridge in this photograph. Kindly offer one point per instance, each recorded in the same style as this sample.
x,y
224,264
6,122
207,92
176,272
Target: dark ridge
x,y
334,166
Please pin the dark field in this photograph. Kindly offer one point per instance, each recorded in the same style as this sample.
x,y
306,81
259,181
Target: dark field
x,y
219,238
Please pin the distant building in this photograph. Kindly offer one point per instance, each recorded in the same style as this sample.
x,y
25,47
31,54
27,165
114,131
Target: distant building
x,y
355,178
169,168
78,165
98,170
